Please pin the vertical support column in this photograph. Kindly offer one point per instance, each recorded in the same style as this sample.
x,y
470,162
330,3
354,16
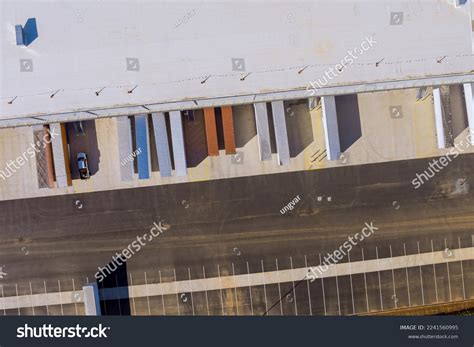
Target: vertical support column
x,y
469,98
228,125
143,149
331,130
438,109
177,139
211,131
49,156
124,132
162,144
281,135
20,37
91,299
59,156
263,131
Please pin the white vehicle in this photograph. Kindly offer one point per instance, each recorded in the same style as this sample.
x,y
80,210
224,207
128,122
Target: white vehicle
x,y
83,166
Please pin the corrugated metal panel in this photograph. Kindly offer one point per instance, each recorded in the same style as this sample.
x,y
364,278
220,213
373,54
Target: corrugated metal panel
x,y
211,131
263,131
228,125
177,138
469,97
125,148
331,131
58,155
162,144
143,150
281,135
438,108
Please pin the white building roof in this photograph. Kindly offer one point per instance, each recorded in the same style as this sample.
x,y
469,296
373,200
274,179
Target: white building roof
x,y
185,51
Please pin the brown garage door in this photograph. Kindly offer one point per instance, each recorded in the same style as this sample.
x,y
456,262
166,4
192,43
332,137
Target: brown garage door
x,y
211,131
228,125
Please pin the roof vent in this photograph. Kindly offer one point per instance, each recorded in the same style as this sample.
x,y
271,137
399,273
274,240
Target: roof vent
x,y
26,34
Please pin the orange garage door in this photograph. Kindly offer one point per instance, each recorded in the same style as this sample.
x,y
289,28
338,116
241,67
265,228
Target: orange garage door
x,y
211,131
228,125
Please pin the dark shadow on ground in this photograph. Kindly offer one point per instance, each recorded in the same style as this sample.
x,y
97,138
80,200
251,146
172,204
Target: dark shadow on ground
x,y
194,137
115,280
153,154
458,109
245,128
271,129
219,129
348,120
170,140
298,125
83,140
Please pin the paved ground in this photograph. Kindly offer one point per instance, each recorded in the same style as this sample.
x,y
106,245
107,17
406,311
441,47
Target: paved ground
x,y
384,285
235,225
409,282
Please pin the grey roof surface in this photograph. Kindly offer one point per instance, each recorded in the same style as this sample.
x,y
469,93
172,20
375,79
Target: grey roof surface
x,y
167,54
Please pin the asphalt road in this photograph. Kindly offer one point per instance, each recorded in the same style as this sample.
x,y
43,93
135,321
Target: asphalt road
x,y
230,226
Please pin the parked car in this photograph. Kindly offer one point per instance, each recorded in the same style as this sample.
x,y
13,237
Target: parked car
x,y
83,166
